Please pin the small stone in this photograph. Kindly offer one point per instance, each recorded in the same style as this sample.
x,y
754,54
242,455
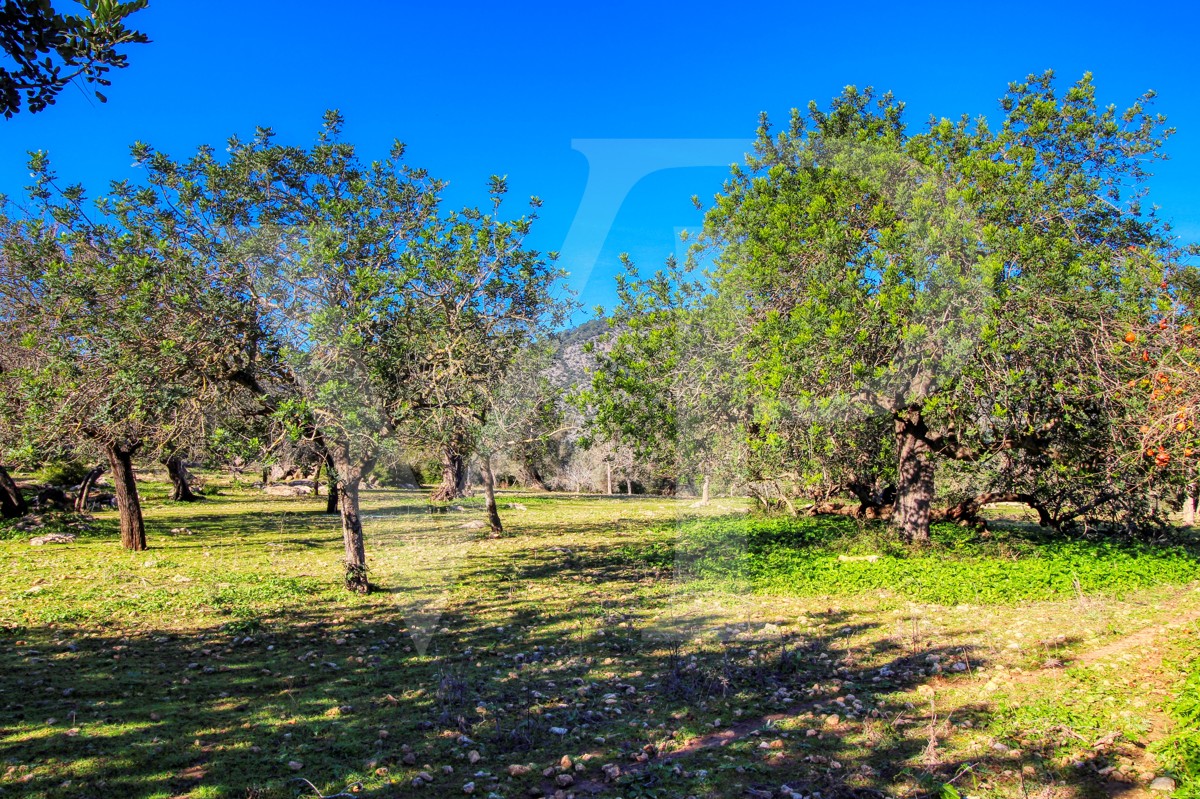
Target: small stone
x,y
474,757
564,780
517,770
425,775
295,765
558,730
566,763
1164,784
469,788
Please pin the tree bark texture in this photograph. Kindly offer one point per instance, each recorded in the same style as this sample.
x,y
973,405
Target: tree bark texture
x,y
914,479
181,490
489,493
12,503
349,476
129,506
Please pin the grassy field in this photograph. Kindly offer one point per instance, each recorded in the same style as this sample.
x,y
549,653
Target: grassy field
x,y
607,646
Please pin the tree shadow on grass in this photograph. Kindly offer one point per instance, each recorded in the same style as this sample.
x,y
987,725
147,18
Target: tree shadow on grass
x,y
340,694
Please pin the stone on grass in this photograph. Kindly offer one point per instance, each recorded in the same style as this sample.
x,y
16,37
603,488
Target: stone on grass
x,y
1164,784
52,538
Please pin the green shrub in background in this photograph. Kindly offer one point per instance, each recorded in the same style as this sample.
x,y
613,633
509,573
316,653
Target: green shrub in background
x,y
65,473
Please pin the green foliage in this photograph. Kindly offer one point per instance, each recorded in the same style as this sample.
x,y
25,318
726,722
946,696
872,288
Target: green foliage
x,y
877,293
1180,752
34,36
62,473
800,557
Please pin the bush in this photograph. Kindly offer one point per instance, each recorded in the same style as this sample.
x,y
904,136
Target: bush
x,y
65,473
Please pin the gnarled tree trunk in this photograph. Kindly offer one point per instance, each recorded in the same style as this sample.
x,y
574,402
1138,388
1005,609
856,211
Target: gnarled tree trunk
x,y
704,491
914,478
533,476
968,510
85,488
129,507
12,504
181,490
454,477
489,493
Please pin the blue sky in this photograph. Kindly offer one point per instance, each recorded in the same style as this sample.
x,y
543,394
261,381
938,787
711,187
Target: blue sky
x,y
572,100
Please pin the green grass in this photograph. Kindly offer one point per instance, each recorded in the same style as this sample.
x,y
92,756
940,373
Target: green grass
x,y
1180,752
800,557
205,666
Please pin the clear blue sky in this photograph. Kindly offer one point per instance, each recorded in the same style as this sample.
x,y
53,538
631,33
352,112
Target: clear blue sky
x,y
558,95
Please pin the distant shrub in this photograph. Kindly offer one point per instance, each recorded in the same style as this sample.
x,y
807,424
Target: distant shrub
x,y
66,473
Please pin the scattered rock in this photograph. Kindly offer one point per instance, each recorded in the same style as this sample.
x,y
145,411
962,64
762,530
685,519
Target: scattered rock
x,y
295,765
474,757
469,788
285,490
52,538
1164,784
517,770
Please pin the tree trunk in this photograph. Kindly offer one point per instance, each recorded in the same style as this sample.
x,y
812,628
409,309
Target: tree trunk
x,y
914,479
349,476
454,477
12,504
628,486
704,491
129,507
608,475
489,493
85,488
968,510
331,478
181,491
532,476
